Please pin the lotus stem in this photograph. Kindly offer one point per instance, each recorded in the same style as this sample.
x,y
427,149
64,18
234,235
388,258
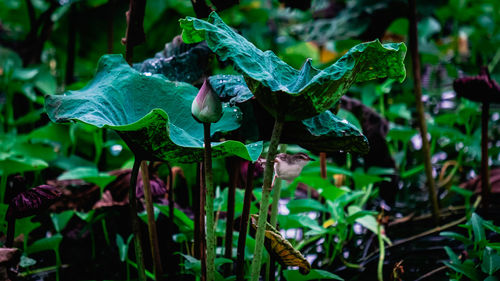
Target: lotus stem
x,y
141,270
171,266
420,110
485,172
3,186
153,234
209,205
228,247
274,216
264,203
245,214
380,266
201,250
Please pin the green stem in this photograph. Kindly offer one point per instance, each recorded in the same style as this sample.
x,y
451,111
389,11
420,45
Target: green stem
x,y
153,234
274,210
141,270
420,110
245,213
58,264
264,203
105,231
209,205
228,246
381,246
3,186
485,173
98,145
92,240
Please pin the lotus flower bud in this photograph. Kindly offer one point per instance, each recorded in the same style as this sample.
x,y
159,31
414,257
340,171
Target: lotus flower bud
x,y
206,107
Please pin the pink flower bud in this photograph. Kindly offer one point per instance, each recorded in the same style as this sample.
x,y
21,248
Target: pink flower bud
x,y
206,107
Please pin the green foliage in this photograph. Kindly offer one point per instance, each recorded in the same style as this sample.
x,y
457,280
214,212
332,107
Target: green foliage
x,y
140,110
307,92
482,260
314,274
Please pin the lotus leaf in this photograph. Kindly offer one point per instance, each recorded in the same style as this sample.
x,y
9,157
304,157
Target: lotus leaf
x,y
324,132
150,113
291,94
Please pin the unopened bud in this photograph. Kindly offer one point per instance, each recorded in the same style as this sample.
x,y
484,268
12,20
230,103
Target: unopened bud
x,y
206,107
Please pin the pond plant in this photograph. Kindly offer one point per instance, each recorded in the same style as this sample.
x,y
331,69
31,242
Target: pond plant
x,y
169,162
289,94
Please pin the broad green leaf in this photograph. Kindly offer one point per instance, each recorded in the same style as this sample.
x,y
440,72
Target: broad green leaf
x,y
45,244
329,133
323,186
151,114
324,132
366,218
231,87
489,225
185,224
467,269
456,236
491,278
25,226
122,246
478,229
314,274
144,215
284,90
495,246
453,257
16,163
491,261
60,220
88,174
305,205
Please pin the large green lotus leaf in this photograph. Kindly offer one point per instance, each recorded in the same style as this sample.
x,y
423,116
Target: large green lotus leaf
x,y
151,114
324,132
285,91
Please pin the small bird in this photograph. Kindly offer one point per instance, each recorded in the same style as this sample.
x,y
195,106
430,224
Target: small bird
x,y
288,166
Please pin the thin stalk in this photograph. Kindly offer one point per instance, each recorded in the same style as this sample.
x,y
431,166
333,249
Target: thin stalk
x,y
71,45
380,266
153,234
92,240
322,164
58,264
3,186
228,247
209,204
264,203
110,30
274,216
203,242
11,230
420,110
141,270
245,214
485,172
171,266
